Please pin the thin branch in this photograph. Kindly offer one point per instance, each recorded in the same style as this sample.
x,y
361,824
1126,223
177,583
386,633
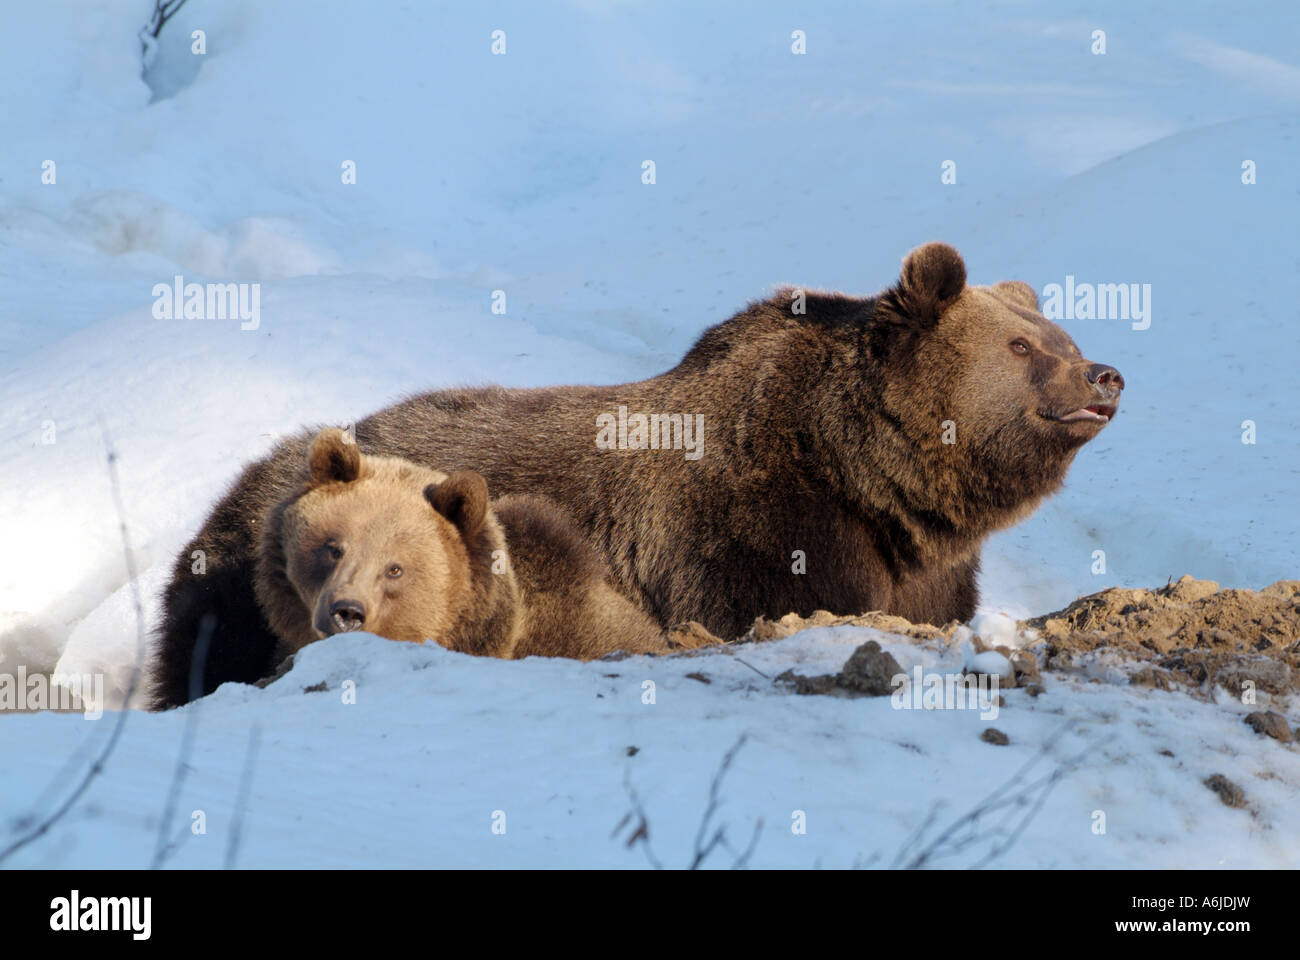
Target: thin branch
x,y
714,787
98,766
754,668
245,784
703,848
642,832
163,849
163,10
1012,796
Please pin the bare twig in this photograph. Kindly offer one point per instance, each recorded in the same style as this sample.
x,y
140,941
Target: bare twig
x,y
163,849
642,832
1015,795
705,842
163,10
97,767
245,784
754,668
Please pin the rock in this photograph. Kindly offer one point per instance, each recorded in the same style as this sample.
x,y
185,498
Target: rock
x,y
1270,723
994,735
870,670
1231,794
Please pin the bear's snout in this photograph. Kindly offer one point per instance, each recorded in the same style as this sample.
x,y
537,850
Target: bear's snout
x,y
1105,379
346,615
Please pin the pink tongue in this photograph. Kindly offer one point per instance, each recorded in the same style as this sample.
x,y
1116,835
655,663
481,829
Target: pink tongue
x,y
1083,414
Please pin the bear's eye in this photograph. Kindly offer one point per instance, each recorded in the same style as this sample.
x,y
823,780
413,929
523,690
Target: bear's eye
x,y
394,571
1020,347
334,550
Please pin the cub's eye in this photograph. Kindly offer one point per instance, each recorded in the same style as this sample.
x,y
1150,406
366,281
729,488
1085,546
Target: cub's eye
x,y
1020,347
333,550
394,571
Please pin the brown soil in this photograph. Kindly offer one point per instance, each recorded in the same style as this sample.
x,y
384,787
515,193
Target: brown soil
x,y
1179,635
1186,632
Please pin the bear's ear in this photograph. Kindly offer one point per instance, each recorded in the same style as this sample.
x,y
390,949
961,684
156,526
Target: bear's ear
x,y
933,276
334,458
462,498
1017,292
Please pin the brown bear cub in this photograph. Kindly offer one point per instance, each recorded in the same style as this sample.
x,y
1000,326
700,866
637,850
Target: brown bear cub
x,y
406,552
846,453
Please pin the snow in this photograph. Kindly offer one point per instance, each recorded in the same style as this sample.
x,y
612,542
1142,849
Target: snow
x,y
412,773
523,173
990,663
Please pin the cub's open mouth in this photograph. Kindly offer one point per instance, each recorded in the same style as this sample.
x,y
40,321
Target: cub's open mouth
x,y
1100,412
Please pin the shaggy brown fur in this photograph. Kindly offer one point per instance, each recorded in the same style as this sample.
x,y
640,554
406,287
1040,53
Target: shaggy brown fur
x,y
824,432
384,545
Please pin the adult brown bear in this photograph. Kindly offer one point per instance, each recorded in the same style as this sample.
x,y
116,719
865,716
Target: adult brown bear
x,y
815,451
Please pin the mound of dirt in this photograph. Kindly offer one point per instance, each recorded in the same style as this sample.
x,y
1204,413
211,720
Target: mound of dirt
x,y
1188,632
1183,634
791,623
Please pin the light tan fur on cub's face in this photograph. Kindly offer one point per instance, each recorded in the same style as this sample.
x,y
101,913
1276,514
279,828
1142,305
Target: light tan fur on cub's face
x,y
377,547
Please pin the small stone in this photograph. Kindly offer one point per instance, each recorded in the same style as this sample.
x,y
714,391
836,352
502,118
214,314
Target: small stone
x,y
994,735
870,670
1231,794
1270,723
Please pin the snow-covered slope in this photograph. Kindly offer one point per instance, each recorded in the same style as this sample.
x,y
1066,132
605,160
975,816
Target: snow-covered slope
x,y
438,748
522,172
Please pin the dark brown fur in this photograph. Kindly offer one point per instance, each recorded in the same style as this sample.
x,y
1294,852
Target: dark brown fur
x,y
823,434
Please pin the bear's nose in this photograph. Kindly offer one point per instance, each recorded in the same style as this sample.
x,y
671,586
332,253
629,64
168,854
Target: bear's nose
x,y
1105,378
347,615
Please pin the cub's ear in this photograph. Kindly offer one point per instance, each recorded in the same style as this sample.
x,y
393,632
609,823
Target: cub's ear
x,y
462,498
1017,292
933,276
334,458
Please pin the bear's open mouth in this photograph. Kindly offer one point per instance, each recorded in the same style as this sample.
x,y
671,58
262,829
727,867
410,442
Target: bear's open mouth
x,y
1100,412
